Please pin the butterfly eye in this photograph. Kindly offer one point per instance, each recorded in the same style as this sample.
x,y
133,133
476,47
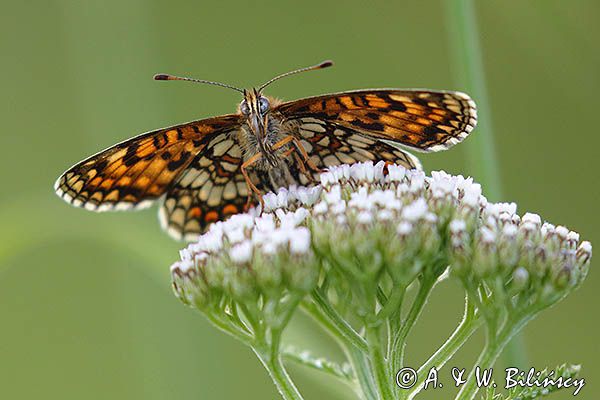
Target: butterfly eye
x,y
244,108
263,103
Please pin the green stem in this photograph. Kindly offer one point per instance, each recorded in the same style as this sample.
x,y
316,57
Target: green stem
x,y
272,363
355,350
227,327
495,343
379,365
469,324
361,368
486,360
399,341
325,310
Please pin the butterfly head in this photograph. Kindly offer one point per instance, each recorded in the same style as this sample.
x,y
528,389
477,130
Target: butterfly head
x,y
255,109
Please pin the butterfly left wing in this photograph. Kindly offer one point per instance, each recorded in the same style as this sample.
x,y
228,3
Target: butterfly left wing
x,y
423,120
137,171
211,189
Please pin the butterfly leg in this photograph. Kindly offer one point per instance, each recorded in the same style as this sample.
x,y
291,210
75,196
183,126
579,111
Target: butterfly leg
x,y
298,148
295,149
251,186
304,154
299,162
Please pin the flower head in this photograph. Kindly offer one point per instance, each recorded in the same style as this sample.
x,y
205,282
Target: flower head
x,y
371,227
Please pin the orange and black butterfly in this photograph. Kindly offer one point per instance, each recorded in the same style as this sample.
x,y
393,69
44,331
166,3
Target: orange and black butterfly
x,y
204,171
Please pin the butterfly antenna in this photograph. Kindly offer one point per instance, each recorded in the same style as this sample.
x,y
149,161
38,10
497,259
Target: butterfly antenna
x,y
168,77
324,64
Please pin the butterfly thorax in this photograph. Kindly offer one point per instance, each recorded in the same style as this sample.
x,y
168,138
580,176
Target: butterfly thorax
x,y
261,136
262,130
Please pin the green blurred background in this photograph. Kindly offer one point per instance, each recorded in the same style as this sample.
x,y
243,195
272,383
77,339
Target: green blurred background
x,y
86,309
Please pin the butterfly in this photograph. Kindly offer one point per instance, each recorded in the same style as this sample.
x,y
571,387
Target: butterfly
x,y
207,170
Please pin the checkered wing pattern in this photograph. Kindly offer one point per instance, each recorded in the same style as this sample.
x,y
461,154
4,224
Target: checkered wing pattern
x,y
137,171
210,189
329,144
423,120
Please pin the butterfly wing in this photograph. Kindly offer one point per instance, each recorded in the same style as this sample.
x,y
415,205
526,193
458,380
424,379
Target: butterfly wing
x,y
137,171
329,144
423,120
209,190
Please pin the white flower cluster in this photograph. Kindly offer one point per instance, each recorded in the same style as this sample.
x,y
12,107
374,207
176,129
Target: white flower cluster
x,y
244,234
524,245
376,193
406,203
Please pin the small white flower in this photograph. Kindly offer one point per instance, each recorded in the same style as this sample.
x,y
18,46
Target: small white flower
x,y
369,169
496,209
364,217
396,173
270,201
487,235
547,229
264,223
573,237
235,235
280,237
300,241
532,218
457,226
241,252
528,226
244,220
320,208
441,185
562,232
378,171
338,208
183,266
361,199
211,241
509,230
385,215
269,248
584,251
200,258
308,196
282,197
291,219
327,179
185,254
404,228
431,218
333,195
415,210
357,171
340,173
401,189
382,198
417,181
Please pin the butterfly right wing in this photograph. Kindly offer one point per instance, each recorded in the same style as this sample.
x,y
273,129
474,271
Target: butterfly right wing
x,y
421,119
329,144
